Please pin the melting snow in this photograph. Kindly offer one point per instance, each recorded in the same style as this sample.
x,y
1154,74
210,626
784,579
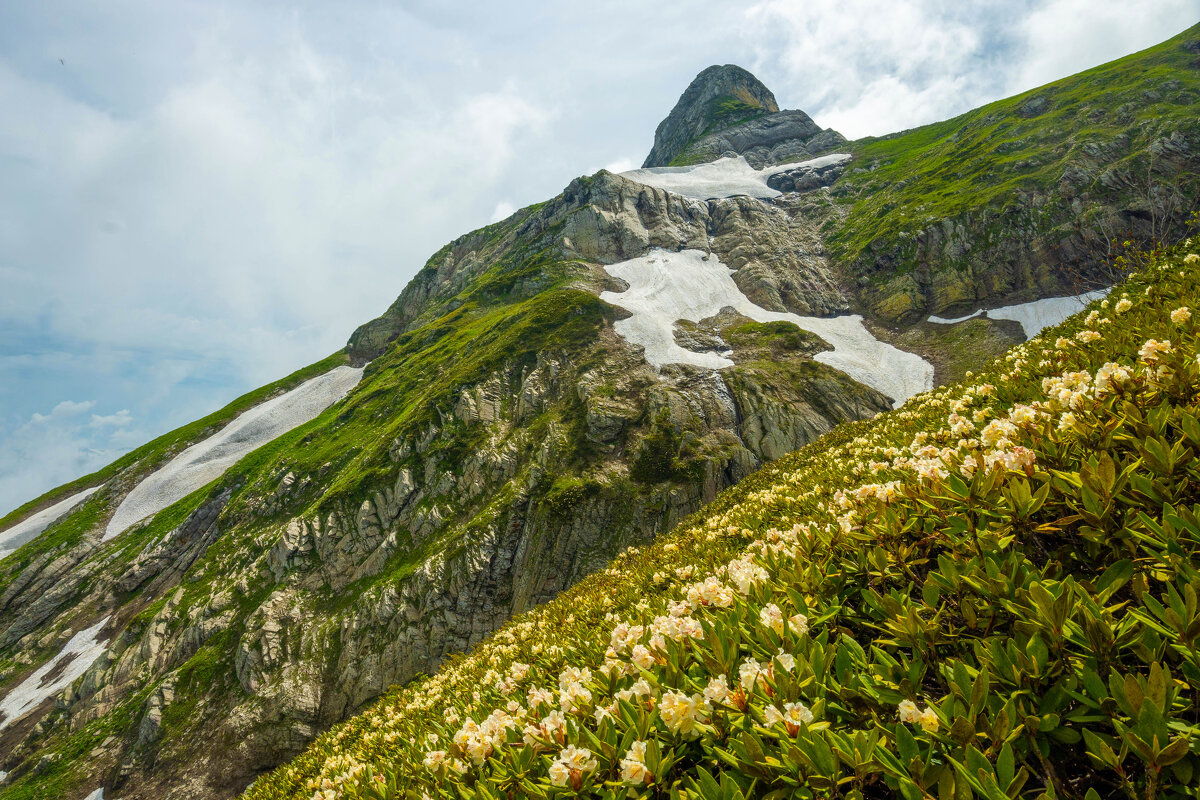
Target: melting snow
x,y
1035,316
205,461
725,177
55,675
30,527
945,321
665,287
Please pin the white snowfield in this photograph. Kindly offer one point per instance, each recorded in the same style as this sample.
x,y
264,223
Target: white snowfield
x,y
1035,316
55,675
665,287
28,528
725,177
205,461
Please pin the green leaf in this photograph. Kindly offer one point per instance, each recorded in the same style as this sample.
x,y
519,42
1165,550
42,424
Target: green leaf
x,y
1157,687
906,744
979,691
1098,749
1133,695
962,731
1177,749
1005,767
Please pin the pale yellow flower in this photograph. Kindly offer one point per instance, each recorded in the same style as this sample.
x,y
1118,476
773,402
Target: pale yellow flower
x,y
680,712
633,765
929,720
771,617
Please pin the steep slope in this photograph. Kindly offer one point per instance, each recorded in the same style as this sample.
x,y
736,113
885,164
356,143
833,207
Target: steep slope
x,y
719,97
1022,198
1025,197
515,427
504,442
990,593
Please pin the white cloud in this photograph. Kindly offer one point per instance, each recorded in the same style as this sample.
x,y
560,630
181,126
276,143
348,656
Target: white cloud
x,y
870,67
66,408
57,446
845,57
1063,37
504,209
623,164
118,420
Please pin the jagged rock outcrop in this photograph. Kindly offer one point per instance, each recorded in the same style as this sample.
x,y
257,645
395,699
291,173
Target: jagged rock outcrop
x,y
718,98
726,111
1058,239
807,177
779,256
778,138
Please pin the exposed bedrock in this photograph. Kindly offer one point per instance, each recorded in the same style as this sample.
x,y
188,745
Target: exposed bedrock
x,y
717,98
778,138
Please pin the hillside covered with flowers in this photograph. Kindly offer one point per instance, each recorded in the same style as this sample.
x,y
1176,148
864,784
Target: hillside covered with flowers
x,y
990,592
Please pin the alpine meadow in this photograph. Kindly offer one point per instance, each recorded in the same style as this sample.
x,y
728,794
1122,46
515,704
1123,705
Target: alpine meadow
x,y
783,466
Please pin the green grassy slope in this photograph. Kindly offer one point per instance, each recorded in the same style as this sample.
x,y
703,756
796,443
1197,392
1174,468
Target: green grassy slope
x,y
1021,143
400,394
154,452
990,592
516,297
1088,160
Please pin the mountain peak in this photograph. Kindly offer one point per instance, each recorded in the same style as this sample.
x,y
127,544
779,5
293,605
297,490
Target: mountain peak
x,y
726,111
720,97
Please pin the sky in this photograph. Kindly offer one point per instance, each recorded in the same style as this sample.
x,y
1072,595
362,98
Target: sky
x,y
197,198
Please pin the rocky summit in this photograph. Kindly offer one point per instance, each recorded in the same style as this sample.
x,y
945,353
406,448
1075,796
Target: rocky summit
x,y
726,111
546,393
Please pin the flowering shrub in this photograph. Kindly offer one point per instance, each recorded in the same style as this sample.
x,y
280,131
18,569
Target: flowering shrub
x,y
990,592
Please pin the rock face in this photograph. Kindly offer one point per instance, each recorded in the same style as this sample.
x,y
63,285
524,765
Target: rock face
x,y
466,480
726,111
769,139
806,178
718,98
1079,197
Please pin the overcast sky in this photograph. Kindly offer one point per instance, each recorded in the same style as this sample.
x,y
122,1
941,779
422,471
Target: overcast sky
x,y
197,198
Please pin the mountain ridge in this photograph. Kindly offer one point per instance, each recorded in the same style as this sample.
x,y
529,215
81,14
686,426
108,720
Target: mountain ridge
x,y
952,598
505,441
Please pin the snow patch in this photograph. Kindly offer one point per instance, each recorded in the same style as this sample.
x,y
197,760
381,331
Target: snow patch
x,y
725,177
55,675
1035,316
205,461
665,287
28,528
1040,314
945,321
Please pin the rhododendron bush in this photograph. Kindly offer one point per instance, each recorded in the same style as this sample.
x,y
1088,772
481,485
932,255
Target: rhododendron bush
x,y
990,592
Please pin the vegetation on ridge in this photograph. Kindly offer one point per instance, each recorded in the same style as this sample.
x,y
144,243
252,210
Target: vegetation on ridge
x,y
990,592
154,453
1091,134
